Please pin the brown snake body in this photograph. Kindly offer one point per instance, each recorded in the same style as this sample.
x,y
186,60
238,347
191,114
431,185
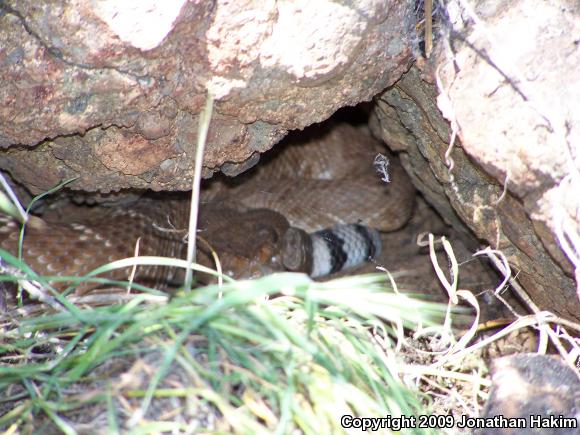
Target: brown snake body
x,y
325,181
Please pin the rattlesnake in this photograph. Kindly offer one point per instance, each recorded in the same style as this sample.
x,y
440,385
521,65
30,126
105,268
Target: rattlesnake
x,y
326,181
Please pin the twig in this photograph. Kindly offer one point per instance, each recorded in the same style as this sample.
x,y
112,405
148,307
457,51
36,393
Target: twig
x,y
428,27
204,120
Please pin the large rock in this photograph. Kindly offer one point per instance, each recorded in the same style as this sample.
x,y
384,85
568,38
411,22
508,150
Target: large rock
x,y
510,87
111,91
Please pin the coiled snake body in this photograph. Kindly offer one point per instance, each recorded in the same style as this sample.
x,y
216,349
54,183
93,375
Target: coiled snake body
x,y
257,223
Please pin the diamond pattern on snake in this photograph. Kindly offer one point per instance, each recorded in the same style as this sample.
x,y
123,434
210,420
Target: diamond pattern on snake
x,y
314,205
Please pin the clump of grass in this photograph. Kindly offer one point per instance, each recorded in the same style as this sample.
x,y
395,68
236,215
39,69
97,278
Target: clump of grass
x,y
277,354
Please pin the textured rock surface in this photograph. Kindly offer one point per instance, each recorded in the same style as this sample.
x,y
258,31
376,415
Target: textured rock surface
x,y
518,135
529,385
111,91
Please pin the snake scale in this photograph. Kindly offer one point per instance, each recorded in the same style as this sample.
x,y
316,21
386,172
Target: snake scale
x,y
319,197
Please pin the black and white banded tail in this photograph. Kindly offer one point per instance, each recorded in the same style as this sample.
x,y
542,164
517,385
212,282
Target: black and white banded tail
x,y
331,250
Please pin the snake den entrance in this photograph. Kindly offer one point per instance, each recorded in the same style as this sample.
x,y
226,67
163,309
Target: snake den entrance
x,y
328,201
